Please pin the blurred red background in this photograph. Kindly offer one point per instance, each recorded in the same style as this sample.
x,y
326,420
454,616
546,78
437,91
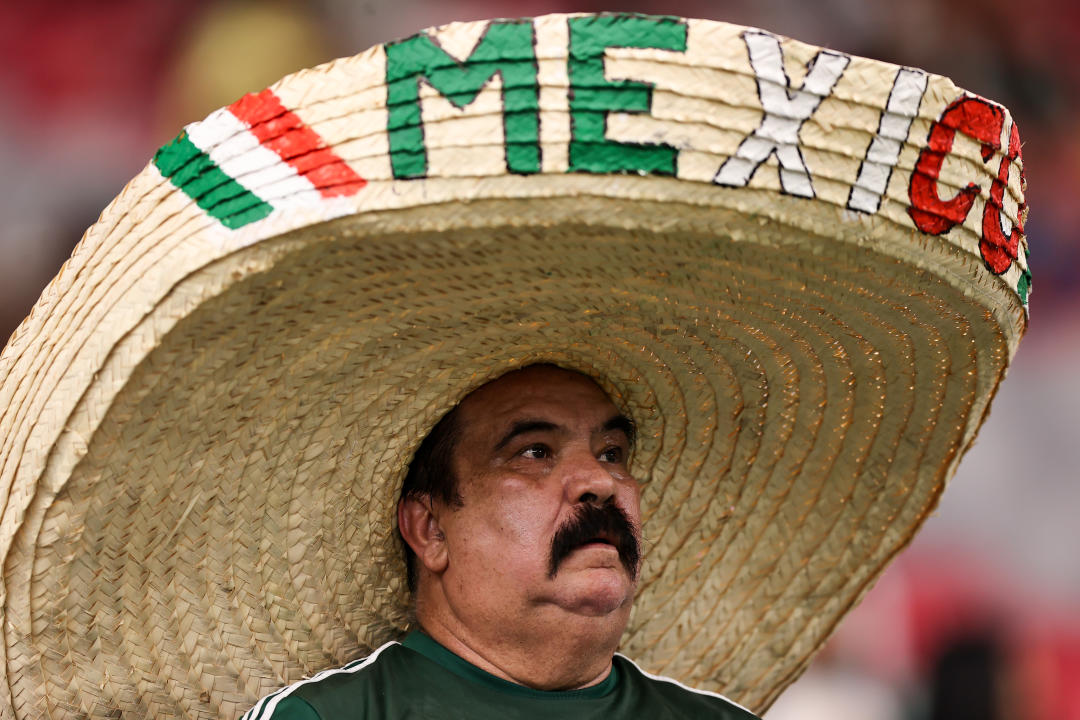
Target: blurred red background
x,y
980,618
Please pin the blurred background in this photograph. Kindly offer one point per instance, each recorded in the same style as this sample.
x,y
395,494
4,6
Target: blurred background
x,y
980,617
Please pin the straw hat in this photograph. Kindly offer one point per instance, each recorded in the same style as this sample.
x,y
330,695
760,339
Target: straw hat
x,y
803,274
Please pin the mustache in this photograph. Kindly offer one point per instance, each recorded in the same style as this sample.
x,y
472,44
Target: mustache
x,y
589,522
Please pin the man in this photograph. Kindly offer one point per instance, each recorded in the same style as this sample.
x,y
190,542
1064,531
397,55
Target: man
x,y
754,247
521,522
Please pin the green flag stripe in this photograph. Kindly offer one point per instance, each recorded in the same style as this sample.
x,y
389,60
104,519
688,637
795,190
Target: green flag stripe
x,y
223,198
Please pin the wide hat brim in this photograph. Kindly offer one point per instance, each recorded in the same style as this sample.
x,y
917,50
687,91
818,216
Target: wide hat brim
x,y
205,420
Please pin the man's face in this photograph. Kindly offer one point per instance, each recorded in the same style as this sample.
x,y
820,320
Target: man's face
x,y
541,461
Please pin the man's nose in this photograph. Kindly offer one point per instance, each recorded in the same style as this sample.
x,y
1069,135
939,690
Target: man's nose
x,y
588,480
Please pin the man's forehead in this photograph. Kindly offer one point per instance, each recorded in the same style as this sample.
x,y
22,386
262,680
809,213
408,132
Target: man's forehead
x,y
533,387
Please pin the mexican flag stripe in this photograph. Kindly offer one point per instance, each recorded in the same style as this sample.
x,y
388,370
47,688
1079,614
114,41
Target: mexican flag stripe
x,y
236,150
297,144
192,170
244,160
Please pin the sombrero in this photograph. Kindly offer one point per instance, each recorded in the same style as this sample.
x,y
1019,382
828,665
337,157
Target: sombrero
x,y
802,272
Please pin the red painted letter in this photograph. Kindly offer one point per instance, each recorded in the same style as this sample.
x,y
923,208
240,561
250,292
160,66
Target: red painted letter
x,y
998,250
976,118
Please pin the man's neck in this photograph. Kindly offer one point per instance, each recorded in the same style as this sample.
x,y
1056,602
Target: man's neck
x,y
553,653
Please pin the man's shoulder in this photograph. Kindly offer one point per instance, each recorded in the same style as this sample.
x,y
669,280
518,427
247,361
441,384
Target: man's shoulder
x,y
310,697
684,700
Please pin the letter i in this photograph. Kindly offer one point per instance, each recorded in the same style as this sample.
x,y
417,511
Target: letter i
x,y
884,150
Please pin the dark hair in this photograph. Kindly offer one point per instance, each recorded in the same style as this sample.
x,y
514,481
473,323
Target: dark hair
x,y
431,474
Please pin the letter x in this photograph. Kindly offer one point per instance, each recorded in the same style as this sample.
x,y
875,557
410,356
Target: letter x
x,y
785,112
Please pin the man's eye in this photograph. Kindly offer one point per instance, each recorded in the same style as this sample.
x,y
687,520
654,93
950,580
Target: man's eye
x,y
536,452
612,454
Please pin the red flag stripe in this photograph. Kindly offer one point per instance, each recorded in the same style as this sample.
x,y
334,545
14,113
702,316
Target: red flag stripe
x,y
297,144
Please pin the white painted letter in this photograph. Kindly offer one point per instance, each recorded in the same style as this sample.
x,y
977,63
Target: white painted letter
x,y
880,159
785,112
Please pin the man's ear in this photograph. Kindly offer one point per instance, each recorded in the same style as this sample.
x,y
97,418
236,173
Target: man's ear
x,y
419,526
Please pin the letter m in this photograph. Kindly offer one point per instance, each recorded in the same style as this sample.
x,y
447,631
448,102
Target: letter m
x,y
506,48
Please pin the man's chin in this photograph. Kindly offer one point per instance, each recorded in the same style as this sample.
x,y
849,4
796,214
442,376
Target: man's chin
x,y
595,590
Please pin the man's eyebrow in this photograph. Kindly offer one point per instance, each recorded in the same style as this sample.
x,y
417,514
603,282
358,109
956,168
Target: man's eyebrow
x,y
623,423
525,426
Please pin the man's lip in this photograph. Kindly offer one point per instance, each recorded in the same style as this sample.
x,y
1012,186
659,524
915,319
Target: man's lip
x,y
601,542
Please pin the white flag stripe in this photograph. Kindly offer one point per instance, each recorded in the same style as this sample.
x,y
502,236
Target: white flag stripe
x,y
235,149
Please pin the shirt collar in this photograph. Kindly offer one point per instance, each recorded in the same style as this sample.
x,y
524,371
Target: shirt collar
x,y
421,642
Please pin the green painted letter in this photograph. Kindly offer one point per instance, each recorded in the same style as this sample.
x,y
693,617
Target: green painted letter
x,y
592,96
505,48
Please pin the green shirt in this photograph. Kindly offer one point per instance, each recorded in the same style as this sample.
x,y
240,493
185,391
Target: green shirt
x,y
418,678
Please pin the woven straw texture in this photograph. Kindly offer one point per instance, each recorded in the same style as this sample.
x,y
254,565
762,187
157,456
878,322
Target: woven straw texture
x,y
802,273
